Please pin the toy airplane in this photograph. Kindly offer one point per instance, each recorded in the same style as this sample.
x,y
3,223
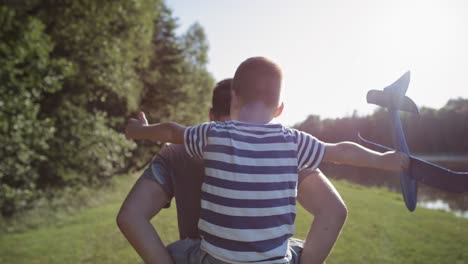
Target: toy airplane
x,y
393,98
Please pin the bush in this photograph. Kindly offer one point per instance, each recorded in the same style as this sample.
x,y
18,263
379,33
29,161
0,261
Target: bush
x,y
71,73
27,75
86,149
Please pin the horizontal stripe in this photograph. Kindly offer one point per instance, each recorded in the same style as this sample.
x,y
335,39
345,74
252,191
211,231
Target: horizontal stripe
x,y
249,133
236,211
252,146
246,203
247,222
249,169
257,246
250,186
291,161
266,139
238,123
257,154
251,195
237,257
250,177
245,235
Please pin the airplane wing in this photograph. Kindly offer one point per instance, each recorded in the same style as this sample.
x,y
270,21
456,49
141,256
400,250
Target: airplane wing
x,y
428,173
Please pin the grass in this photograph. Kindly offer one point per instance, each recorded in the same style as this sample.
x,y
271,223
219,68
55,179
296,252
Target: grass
x,y
378,230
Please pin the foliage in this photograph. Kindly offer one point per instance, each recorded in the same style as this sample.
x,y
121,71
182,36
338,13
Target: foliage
x,y
89,150
72,72
108,49
177,86
108,42
27,76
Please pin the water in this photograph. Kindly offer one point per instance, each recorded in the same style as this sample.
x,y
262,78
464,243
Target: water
x,y
437,200
443,206
428,197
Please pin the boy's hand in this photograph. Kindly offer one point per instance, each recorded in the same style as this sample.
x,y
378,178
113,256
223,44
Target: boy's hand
x,y
395,161
133,128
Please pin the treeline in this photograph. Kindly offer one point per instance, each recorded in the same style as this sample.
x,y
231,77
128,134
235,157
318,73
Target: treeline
x,y
71,72
442,130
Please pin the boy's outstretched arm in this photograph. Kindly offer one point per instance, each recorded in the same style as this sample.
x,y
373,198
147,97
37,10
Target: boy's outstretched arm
x,y
350,153
166,132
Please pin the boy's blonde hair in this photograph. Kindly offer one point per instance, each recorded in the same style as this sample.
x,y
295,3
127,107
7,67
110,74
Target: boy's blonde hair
x,y
258,79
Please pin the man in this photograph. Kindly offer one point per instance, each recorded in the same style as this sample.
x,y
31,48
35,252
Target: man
x,y
174,174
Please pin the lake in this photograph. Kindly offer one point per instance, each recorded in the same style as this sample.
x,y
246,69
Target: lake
x,y
428,197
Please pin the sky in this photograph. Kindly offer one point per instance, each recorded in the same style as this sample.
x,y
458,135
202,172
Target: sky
x,y
332,52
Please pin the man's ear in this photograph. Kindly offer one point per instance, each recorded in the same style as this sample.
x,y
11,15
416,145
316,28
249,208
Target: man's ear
x,y
234,101
211,115
279,110
233,95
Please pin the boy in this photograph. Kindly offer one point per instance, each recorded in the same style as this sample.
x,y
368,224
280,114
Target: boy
x,y
251,165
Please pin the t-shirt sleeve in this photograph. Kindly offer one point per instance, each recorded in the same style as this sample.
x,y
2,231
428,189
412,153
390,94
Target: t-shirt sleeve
x,y
195,139
310,150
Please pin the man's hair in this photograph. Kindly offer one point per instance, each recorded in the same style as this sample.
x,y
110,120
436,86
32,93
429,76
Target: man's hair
x,y
221,100
258,79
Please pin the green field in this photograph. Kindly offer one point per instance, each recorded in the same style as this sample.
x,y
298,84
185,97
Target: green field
x,y
378,230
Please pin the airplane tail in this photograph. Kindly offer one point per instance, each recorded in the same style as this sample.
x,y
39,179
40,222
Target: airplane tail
x,y
393,96
391,100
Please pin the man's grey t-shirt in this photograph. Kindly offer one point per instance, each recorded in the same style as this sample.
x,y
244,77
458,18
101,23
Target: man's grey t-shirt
x,y
181,177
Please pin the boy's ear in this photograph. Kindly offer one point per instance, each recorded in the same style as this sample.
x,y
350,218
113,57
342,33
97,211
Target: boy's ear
x,y
279,110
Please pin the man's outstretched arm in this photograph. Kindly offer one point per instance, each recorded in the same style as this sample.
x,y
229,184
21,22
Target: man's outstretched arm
x,y
319,197
143,202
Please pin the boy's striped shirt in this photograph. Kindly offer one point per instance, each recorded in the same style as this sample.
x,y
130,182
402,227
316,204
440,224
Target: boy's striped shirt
x,y
249,192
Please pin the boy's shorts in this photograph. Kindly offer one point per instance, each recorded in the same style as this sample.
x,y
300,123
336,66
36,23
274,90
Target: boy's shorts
x,y
188,251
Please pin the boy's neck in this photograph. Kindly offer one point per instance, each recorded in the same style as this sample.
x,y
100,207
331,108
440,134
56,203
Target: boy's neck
x,y
254,113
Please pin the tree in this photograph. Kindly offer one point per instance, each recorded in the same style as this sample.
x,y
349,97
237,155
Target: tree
x,y
27,76
108,43
443,130
177,85
72,72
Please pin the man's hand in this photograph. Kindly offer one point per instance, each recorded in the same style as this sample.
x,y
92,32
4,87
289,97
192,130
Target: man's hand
x,y
395,161
133,128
